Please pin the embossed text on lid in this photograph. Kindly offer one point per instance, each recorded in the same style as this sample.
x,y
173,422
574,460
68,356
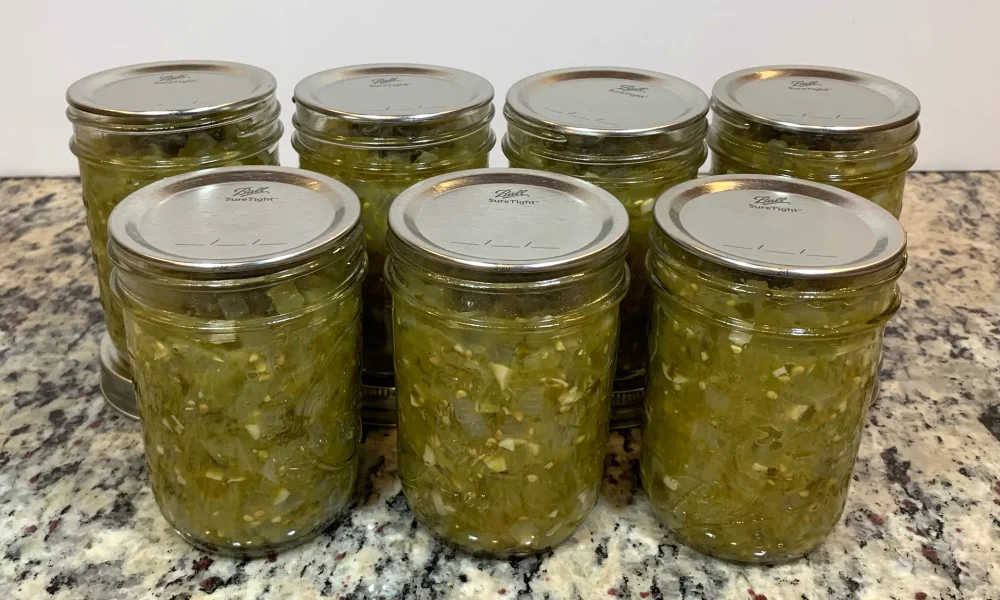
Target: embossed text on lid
x,y
171,89
607,101
393,92
515,220
779,226
807,98
235,219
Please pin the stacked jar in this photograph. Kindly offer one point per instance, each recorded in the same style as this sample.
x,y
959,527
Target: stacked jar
x,y
772,295
505,321
848,129
138,124
381,129
244,330
634,133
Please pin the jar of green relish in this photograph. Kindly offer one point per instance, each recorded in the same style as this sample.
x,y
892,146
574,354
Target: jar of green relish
x,y
380,129
634,133
848,129
505,322
244,330
772,295
138,124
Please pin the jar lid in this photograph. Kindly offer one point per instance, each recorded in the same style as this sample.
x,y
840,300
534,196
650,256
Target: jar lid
x,y
234,220
815,99
779,226
607,101
171,91
393,93
510,220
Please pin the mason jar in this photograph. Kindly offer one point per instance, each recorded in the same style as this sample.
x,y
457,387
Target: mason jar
x,y
380,129
138,124
848,129
772,296
505,323
243,327
634,133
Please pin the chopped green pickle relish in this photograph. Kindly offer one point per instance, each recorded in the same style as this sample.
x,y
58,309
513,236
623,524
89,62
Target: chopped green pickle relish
x,y
504,350
245,355
764,362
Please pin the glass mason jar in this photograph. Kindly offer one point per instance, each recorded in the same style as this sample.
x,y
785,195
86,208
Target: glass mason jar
x,y
380,129
505,323
634,133
244,331
138,124
844,128
772,295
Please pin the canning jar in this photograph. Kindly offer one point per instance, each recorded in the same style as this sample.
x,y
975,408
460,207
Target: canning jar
x,y
243,327
848,129
138,124
772,295
380,129
505,322
634,133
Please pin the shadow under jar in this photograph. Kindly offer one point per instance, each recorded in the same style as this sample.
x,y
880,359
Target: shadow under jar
x,y
380,129
142,123
505,324
244,331
848,129
772,295
634,133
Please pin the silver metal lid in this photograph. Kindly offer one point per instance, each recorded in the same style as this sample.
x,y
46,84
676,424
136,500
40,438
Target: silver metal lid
x,y
393,93
607,101
171,90
238,220
817,99
509,220
779,226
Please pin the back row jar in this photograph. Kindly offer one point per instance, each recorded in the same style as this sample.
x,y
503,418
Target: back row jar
x,y
634,133
380,129
138,124
848,129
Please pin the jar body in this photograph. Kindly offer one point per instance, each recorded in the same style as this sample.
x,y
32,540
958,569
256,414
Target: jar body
x,y
872,165
377,175
636,185
503,409
116,161
754,410
249,403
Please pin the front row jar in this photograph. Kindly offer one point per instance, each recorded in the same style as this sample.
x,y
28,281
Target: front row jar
x,y
380,129
505,323
772,295
243,328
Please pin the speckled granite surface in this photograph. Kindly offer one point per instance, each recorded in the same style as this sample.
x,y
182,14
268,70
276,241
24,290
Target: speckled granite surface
x,y
77,519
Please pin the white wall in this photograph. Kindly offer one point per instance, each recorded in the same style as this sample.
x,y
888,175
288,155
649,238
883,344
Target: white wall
x,y
947,52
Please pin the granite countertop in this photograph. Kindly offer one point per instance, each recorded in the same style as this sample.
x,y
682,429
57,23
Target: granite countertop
x,y
77,519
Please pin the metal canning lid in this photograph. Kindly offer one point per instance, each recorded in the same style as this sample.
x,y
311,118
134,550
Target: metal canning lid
x,y
607,101
815,99
234,220
393,93
509,220
779,226
169,91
